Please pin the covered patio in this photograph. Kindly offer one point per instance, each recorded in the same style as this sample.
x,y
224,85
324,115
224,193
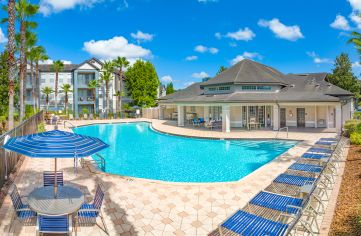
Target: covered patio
x,y
264,116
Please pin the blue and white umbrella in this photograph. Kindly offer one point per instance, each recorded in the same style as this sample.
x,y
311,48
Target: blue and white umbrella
x,y
55,144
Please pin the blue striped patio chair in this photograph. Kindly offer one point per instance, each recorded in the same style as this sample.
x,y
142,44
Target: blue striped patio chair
x,y
306,168
49,178
22,211
325,143
88,213
53,225
244,223
317,156
294,180
329,139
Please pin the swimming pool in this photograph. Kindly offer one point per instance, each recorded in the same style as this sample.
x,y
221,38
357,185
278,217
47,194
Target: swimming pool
x,y
137,150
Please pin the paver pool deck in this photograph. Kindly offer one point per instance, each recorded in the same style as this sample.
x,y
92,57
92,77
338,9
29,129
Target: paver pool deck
x,y
145,207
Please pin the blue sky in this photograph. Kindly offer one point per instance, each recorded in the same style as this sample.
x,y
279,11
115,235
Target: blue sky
x,y
189,39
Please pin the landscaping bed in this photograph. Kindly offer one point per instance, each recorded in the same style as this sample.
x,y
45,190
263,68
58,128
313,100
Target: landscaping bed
x,y
347,217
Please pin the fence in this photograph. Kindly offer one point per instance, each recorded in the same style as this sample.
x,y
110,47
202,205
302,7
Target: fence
x,y
8,160
151,113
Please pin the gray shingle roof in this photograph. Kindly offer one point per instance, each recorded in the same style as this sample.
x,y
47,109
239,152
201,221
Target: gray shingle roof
x,y
248,72
48,67
308,87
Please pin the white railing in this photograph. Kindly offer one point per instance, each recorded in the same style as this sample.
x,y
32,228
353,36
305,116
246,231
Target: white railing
x,y
278,131
68,122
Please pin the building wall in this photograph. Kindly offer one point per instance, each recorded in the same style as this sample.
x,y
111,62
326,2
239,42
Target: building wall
x,y
236,116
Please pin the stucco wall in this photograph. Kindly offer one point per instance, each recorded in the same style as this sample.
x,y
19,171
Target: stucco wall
x,y
236,114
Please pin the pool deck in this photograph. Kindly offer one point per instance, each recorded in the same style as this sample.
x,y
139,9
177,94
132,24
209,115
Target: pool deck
x,y
146,207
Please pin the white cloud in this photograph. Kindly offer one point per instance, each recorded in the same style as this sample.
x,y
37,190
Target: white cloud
x,y
200,75
233,44
249,55
317,59
213,50
200,48
49,6
3,38
218,35
50,61
356,19
356,64
166,79
355,4
142,37
341,23
206,1
242,34
291,33
203,49
114,47
191,58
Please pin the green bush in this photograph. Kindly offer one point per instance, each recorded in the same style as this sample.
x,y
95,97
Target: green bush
x,y
357,115
85,111
41,128
352,126
355,138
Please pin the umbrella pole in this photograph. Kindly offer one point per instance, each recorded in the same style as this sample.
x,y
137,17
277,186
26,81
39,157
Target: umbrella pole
x,y
55,180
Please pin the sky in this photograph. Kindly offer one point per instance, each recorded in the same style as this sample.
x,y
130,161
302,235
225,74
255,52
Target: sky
x,y
188,40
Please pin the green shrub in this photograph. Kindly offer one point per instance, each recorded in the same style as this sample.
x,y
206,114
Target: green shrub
x,y
355,138
352,126
41,128
357,115
85,111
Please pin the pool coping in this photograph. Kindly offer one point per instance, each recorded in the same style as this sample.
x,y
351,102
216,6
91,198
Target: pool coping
x,y
292,158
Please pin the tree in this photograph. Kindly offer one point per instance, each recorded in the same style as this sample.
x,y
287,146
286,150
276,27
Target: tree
x,y
24,10
142,83
57,67
66,89
169,89
94,84
47,91
121,63
105,78
39,55
221,69
343,77
11,60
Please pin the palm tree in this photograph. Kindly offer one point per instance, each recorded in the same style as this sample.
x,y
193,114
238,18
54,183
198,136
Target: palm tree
x,y
356,41
66,88
221,69
105,78
24,10
12,63
47,91
94,84
121,63
57,66
39,55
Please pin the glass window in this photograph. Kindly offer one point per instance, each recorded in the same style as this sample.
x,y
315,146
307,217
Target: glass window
x,y
264,87
225,88
212,89
249,87
51,80
42,81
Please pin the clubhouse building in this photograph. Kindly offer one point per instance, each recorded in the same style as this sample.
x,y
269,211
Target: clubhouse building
x,y
250,94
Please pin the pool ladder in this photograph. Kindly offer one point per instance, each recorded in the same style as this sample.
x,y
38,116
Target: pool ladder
x,y
72,125
100,163
278,131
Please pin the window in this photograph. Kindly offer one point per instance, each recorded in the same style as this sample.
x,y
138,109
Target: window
x,y
42,81
254,87
212,89
193,109
51,80
249,87
225,88
264,87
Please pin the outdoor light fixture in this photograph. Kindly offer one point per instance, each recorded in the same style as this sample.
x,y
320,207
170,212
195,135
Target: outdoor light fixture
x,y
290,113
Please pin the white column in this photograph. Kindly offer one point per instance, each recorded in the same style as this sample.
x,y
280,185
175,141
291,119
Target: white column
x,y
276,117
327,117
242,117
180,110
226,118
315,116
338,119
206,113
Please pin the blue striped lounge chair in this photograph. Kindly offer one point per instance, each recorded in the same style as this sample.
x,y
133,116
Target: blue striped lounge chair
x,y
294,180
306,168
317,156
325,143
195,122
329,139
244,223
49,178
22,211
320,150
54,225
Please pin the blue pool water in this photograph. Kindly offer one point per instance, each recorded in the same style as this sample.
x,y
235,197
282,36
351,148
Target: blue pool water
x,y
138,151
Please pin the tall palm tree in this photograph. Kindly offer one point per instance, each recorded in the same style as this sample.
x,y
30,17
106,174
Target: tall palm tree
x,y
11,61
24,10
47,91
57,67
356,41
39,55
105,78
66,89
121,63
93,85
